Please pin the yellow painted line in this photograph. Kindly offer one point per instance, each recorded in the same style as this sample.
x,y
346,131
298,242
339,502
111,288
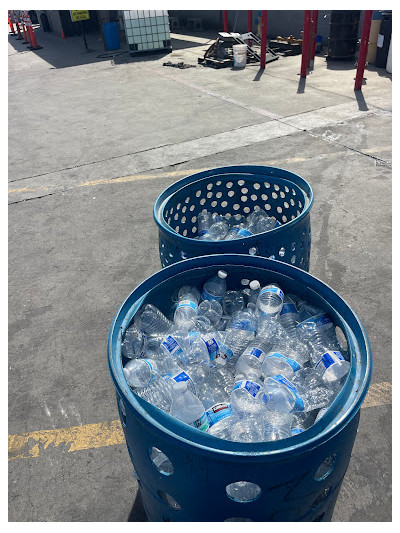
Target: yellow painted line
x,y
73,439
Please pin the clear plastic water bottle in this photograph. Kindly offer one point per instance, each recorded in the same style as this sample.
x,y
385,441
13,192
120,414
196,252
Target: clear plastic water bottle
x,y
276,426
232,302
158,392
332,366
221,377
247,429
134,343
246,398
240,332
152,320
175,344
289,317
221,420
275,363
212,310
138,372
270,299
316,332
215,287
204,221
250,362
187,308
255,288
187,408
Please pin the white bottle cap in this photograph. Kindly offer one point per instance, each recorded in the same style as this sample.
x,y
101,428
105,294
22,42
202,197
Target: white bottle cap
x,y
254,285
222,274
179,386
245,282
220,361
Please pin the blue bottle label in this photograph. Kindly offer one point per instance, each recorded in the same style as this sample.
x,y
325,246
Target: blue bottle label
x,y
329,358
296,431
218,412
251,387
274,290
255,352
183,376
212,346
149,364
288,308
203,233
244,324
172,346
294,364
299,404
207,296
244,233
187,303
224,352
202,423
321,321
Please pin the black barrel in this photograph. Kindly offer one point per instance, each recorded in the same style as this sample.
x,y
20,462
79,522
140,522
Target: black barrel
x,y
343,34
386,32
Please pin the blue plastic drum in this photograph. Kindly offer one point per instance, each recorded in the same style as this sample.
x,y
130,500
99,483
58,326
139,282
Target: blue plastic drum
x,y
233,191
296,479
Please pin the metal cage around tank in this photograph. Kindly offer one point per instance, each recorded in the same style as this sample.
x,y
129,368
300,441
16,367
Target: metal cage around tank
x,y
234,191
298,478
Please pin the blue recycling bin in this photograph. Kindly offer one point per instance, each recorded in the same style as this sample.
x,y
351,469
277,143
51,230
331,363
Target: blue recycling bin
x,y
299,478
111,35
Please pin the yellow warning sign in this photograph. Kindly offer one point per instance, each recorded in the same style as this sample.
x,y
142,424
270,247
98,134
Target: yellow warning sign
x,y
76,16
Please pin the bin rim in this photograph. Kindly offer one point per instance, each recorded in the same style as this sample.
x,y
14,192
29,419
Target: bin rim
x,y
234,169
330,425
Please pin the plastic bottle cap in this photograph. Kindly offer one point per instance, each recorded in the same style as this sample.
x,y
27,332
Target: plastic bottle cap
x,y
222,274
254,285
245,282
179,386
220,361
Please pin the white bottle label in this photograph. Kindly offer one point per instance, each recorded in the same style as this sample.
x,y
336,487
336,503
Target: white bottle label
x,y
187,303
218,412
294,364
202,423
274,290
329,358
172,346
299,404
184,376
251,387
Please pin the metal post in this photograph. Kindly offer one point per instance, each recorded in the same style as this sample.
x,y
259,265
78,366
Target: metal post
x,y
249,25
362,54
225,21
314,32
263,38
84,35
306,44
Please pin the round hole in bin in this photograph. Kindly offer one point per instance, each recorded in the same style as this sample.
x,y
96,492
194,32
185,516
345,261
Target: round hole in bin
x,y
214,203
267,185
267,207
218,194
286,205
183,254
176,216
284,218
224,203
193,219
198,194
279,209
244,190
246,209
253,251
236,207
161,461
300,205
282,194
183,220
202,201
271,257
293,217
187,200
171,255
291,201
298,213
192,208
244,199
231,193
238,519
341,337
240,183
264,197
169,220
169,500
177,228
274,195
293,247
276,187
254,197
122,411
209,195
229,185
184,209
286,189
282,251
293,192
293,259
325,468
218,183
209,186
256,186
194,229
227,215
178,207
243,491
321,497
184,233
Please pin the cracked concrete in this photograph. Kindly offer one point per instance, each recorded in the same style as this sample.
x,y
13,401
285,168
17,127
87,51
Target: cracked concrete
x,y
80,238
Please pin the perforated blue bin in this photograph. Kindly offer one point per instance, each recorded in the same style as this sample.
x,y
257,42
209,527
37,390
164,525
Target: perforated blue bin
x,y
299,477
230,191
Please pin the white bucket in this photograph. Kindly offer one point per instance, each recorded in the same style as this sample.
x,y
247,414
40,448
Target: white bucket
x,y
239,55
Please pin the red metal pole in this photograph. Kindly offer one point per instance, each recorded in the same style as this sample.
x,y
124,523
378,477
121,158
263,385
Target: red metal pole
x,y
263,38
225,21
314,33
306,44
362,54
249,25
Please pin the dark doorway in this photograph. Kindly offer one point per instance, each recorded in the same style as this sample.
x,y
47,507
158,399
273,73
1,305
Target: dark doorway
x,y
44,22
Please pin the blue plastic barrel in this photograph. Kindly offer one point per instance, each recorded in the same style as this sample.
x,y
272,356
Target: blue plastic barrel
x,y
299,478
233,191
111,35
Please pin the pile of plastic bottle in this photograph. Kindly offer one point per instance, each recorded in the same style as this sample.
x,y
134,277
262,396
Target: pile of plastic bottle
x,y
246,365
214,227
